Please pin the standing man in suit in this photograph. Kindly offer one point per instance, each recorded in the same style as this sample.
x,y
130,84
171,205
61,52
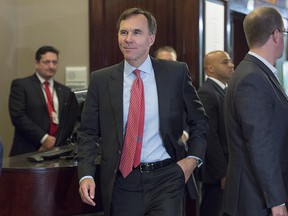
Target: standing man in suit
x,y
256,119
35,126
219,69
156,186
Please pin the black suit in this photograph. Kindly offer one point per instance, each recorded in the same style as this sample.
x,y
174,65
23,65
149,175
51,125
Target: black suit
x,y
256,116
216,158
29,114
102,119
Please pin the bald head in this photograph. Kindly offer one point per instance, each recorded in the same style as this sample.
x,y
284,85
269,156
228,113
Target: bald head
x,y
218,64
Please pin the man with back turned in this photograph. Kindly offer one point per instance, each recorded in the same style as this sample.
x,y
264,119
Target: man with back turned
x,y
256,118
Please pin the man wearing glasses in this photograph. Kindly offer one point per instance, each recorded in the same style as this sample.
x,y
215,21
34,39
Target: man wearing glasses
x,y
36,103
256,120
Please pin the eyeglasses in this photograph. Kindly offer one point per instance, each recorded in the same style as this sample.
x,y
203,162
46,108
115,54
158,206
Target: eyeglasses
x,y
284,31
49,62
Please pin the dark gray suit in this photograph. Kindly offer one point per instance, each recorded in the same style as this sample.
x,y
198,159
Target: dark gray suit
x,y
29,114
102,119
216,158
256,118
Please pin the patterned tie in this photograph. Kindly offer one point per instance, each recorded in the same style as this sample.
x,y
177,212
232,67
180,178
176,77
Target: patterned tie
x,y
53,127
134,128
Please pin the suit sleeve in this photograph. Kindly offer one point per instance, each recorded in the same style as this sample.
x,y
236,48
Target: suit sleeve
x,y
89,132
196,120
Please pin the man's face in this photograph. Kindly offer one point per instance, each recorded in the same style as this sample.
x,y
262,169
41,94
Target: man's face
x,y
221,66
47,65
134,39
280,48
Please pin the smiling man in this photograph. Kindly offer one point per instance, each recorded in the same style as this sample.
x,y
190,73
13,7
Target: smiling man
x,y
35,107
143,168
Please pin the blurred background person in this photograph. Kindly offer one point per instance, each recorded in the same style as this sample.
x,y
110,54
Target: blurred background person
x,y
219,69
36,103
166,53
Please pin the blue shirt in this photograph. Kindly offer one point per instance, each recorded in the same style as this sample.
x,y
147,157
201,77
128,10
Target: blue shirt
x,y
152,147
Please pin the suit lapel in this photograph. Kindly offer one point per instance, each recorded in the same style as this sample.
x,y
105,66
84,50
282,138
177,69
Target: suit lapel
x,y
60,96
162,81
216,87
38,90
116,95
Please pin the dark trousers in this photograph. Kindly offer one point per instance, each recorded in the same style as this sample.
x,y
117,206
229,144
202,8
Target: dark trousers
x,y
157,193
211,202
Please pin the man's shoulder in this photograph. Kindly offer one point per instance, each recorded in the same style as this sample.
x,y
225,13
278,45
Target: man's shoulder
x,y
61,87
24,80
58,84
110,68
168,63
208,84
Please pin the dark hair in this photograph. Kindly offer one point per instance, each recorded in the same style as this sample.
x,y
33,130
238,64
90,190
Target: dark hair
x,y
260,24
44,49
152,24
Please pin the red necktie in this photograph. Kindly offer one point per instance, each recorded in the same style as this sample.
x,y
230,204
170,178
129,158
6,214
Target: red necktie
x,y
134,128
53,127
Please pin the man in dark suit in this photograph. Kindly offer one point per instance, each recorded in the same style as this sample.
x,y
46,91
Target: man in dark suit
x,y
256,119
157,185
28,105
219,69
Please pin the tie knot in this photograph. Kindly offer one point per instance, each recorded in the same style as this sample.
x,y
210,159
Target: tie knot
x,y
137,73
46,83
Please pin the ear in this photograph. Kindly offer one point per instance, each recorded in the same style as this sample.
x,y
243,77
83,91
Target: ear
x,y
275,36
210,68
151,39
36,64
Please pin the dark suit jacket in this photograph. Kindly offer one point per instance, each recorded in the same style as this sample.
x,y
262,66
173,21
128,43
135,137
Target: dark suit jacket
x,y
216,157
29,114
102,119
256,117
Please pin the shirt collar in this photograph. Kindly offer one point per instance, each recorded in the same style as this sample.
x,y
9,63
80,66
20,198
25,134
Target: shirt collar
x,y
271,67
222,85
146,67
51,81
